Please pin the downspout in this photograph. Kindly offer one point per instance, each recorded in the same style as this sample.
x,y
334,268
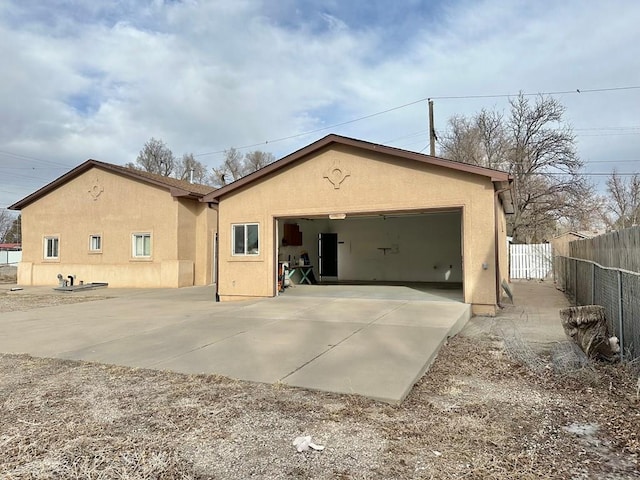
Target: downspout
x,y
496,246
216,251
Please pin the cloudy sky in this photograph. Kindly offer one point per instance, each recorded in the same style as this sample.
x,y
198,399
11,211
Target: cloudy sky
x,y
96,79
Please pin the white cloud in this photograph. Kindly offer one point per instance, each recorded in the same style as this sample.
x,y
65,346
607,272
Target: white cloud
x,y
98,79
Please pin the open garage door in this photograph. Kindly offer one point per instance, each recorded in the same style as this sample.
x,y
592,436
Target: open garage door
x,y
403,247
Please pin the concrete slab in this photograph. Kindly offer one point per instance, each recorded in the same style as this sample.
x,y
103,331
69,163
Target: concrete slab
x,y
386,357
381,362
266,354
411,291
358,310
376,345
150,348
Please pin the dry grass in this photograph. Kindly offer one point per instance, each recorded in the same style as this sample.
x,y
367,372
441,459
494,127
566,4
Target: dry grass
x,y
8,274
478,413
16,301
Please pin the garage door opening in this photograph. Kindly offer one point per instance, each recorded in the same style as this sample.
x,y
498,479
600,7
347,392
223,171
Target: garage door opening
x,y
417,249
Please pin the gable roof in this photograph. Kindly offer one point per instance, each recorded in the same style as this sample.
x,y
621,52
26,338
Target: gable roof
x,y
581,234
501,179
177,188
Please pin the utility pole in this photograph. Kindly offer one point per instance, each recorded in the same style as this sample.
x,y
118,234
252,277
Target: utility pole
x,y
432,131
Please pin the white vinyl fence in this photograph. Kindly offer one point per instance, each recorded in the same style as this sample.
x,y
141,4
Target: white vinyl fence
x,y
11,257
530,261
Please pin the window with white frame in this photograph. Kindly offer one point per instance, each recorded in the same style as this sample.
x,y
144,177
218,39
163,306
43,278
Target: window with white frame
x,y
51,248
95,243
141,247
245,239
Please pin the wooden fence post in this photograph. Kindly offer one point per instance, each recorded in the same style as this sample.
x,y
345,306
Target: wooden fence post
x,y
593,283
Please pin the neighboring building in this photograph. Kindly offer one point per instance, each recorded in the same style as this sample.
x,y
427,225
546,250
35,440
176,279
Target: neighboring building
x,y
356,211
106,223
368,213
560,243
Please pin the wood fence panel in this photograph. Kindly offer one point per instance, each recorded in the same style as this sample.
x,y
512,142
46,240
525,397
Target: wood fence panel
x,y
619,249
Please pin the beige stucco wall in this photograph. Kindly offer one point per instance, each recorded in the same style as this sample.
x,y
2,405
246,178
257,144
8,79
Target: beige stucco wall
x,y
375,183
560,244
114,206
503,247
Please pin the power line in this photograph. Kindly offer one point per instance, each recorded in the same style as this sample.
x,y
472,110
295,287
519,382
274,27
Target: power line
x,y
27,157
561,92
422,100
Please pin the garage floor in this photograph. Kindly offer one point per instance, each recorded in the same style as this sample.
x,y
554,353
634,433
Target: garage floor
x,y
419,291
368,340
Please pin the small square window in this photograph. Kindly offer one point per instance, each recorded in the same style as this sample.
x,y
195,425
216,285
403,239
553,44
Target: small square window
x,y
141,245
51,248
95,243
245,239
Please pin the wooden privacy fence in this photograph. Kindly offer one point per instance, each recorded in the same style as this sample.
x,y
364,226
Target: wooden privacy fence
x,y
619,249
530,261
618,291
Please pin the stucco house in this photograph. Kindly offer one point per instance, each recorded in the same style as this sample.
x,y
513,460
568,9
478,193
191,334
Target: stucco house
x,y
355,211
364,212
106,223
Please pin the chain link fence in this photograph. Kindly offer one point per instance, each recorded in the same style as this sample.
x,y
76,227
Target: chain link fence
x,y
618,291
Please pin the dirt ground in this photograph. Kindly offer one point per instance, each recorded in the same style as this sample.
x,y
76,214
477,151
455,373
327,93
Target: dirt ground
x,y
480,412
8,273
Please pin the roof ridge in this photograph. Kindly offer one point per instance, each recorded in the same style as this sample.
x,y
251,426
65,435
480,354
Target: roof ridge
x,y
167,180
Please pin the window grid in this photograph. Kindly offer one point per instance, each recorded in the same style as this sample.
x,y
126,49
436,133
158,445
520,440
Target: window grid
x,y
51,248
95,243
245,239
141,247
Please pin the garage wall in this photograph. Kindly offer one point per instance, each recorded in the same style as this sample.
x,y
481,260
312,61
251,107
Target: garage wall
x,y
368,182
422,249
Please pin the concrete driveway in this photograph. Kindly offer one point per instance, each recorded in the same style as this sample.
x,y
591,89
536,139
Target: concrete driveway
x,y
375,342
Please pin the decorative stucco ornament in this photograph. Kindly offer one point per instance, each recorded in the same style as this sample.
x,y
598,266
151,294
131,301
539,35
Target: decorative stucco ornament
x,y
336,174
96,189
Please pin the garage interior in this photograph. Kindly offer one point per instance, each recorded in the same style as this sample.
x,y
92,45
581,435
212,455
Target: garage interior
x,y
421,249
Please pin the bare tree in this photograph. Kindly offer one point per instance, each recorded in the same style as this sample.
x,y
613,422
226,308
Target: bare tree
x,y
480,140
155,157
256,160
190,169
534,146
236,166
10,231
623,201
6,221
231,169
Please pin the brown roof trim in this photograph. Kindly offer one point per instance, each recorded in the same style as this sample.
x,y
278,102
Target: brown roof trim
x,y
177,188
494,175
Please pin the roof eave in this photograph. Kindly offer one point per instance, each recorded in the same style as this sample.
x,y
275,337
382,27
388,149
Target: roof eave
x,y
87,165
494,175
49,187
504,190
